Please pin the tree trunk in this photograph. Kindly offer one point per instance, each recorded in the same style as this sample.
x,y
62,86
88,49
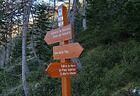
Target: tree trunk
x,y
84,15
26,14
71,16
53,21
33,49
2,57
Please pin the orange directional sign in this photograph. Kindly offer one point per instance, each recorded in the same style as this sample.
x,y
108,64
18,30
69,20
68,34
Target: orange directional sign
x,y
56,70
58,35
68,51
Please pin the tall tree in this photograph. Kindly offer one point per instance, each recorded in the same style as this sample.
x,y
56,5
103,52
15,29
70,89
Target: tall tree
x,y
6,25
84,15
26,15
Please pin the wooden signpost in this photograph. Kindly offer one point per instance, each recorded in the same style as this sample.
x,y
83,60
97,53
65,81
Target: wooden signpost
x,y
64,52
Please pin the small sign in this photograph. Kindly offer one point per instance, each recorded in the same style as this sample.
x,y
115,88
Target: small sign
x,y
60,19
72,50
56,70
60,12
60,24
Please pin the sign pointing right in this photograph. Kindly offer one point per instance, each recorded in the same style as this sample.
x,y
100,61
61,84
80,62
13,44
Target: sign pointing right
x,y
68,51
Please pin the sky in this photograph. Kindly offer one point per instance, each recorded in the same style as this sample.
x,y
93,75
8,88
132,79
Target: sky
x,y
57,3
49,1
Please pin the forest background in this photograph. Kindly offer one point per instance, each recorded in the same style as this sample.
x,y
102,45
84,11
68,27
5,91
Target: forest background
x,y
109,31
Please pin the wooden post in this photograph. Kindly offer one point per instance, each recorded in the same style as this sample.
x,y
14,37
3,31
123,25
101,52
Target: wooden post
x,y
63,52
66,86
66,81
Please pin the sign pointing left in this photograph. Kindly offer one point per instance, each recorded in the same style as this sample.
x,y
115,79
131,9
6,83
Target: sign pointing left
x,y
59,35
57,69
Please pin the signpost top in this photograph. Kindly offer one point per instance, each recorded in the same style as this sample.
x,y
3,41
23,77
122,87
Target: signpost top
x,y
62,13
61,9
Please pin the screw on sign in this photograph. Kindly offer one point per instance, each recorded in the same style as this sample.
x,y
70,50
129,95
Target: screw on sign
x,y
66,69
68,51
59,35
